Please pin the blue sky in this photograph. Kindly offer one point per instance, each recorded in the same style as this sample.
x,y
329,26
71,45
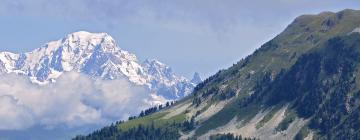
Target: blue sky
x,y
188,35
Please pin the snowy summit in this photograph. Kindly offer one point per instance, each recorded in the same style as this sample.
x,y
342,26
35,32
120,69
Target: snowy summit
x,y
96,55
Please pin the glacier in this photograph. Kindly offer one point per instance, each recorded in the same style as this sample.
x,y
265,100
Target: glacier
x,y
98,56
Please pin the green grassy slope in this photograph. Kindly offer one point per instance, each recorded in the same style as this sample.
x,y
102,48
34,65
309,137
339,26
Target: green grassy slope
x,y
313,66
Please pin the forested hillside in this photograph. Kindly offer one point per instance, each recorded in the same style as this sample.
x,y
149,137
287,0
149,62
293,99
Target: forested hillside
x,y
304,83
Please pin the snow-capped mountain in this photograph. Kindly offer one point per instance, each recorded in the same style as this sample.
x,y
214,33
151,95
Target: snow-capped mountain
x,y
97,55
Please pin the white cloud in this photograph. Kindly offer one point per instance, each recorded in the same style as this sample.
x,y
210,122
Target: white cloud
x,y
13,114
74,100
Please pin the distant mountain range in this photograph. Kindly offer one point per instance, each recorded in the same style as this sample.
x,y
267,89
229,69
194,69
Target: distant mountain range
x,y
302,84
96,55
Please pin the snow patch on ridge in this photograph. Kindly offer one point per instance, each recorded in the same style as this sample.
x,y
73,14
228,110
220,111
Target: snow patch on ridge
x,y
356,30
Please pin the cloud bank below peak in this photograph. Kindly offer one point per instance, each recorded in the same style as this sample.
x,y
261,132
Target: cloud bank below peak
x,y
73,101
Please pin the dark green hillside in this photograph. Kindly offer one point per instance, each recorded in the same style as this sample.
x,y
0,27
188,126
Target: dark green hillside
x,y
324,86
303,83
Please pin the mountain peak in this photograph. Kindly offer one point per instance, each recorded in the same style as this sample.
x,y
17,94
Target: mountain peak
x,y
96,55
87,35
157,68
326,14
196,78
88,40
154,62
